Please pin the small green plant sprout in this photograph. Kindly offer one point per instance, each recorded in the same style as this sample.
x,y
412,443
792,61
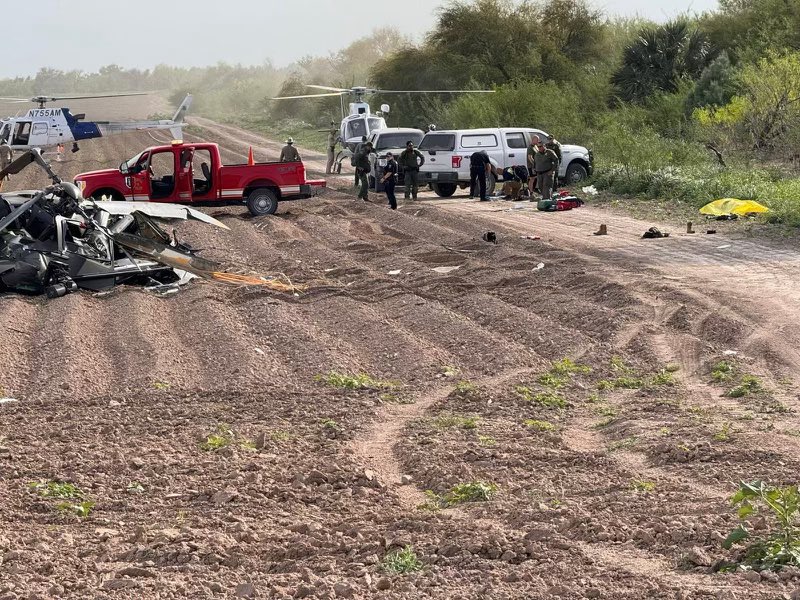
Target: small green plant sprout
x,y
724,433
433,502
450,371
451,421
279,435
593,398
662,378
623,444
465,388
672,368
544,399
361,381
161,385
618,365
780,506
665,431
80,510
552,380
487,441
248,445
539,425
566,366
722,371
54,489
330,424
643,487
401,562
222,437
748,385
395,397
476,491
134,487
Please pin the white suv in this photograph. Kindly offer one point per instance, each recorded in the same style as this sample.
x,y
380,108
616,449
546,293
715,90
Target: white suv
x,y
391,139
447,155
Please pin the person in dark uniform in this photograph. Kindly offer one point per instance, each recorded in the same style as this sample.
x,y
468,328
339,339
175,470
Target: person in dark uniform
x,y
389,179
554,145
356,151
362,170
479,169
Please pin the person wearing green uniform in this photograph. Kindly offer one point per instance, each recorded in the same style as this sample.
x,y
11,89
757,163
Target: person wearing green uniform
x,y
554,145
361,160
333,138
544,163
289,153
409,161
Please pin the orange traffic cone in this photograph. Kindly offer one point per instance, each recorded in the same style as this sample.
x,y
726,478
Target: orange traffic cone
x,y
250,160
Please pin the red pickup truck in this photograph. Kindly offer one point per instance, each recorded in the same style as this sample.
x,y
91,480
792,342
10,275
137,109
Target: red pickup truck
x,y
194,174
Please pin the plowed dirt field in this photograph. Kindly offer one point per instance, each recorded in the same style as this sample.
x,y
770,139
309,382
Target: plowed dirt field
x,y
222,464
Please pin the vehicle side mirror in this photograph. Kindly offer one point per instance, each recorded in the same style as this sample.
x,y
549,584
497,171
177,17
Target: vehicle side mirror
x,y
123,168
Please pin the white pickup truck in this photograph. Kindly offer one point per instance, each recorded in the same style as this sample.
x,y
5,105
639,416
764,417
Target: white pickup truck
x,y
447,154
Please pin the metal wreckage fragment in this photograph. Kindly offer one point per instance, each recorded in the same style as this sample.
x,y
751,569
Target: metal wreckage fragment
x,y
53,241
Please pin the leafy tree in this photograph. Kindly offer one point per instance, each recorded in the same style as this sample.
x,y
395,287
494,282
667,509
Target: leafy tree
x,y
716,86
659,59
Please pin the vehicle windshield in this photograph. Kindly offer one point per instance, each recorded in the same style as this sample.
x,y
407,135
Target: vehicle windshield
x,y
388,141
129,164
438,141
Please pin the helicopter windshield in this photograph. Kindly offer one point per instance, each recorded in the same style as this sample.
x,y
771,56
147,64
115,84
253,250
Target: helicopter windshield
x,y
364,126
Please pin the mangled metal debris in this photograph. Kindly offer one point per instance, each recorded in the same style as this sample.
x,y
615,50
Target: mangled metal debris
x,y
52,241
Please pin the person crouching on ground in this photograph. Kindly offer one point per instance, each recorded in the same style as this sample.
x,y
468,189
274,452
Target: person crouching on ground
x,y
545,162
389,179
362,169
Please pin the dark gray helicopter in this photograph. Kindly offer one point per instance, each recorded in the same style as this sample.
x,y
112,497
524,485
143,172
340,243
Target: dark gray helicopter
x,y
53,241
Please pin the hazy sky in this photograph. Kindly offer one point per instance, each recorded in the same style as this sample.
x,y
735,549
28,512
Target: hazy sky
x,y
86,34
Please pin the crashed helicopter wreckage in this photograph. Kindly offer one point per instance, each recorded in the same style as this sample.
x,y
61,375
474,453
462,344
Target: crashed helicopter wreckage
x,y
53,241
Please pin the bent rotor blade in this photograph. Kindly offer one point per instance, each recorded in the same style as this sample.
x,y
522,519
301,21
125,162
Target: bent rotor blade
x,y
325,87
167,255
434,91
307,96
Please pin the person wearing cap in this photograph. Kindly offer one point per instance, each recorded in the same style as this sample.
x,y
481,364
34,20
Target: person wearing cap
x,y
356,150
333,138
389,179
361,160
545,162
289,153
554,145
410,161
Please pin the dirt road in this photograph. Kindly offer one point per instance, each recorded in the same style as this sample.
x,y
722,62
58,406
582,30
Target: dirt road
x,y
611,471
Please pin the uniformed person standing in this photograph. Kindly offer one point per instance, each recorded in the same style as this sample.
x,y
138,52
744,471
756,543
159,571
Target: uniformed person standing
x,y
333,138
6,155
289,153
389,180
531,169
544,162
554,145
410,161
361,160
356,150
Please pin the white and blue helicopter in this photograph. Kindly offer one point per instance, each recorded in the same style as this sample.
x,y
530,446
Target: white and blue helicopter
x,y
361,121
44,127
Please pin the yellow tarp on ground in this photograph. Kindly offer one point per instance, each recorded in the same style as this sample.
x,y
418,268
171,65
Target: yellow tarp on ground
x,y
732,206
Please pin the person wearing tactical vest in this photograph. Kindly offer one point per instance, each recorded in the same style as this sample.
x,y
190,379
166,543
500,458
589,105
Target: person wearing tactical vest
x,y
361,160
410,161
554,145
389,180
531,170
289,153
333,137
544,162
356,150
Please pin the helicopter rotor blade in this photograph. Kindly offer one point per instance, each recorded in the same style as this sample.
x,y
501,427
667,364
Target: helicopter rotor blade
x,y
14,100
433,91
307,96
57,98
325,87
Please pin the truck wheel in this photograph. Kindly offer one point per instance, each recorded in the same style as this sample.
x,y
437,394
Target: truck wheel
x,y
262,201
490,185
109,194
443,190
575,172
